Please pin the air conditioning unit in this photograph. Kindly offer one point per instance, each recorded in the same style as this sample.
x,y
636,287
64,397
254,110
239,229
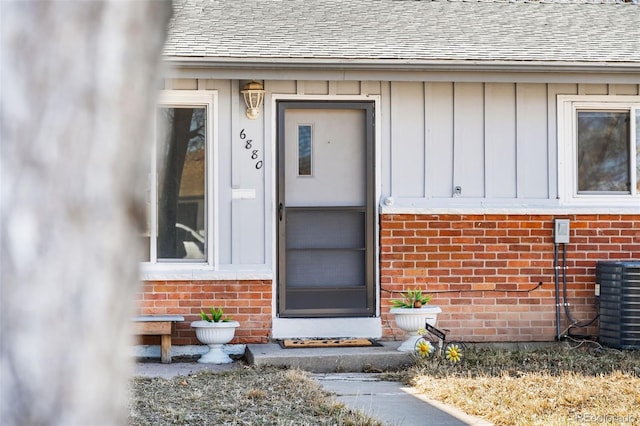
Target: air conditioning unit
x,y
619,303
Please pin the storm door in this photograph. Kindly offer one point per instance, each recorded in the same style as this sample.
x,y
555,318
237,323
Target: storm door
x,y
325,209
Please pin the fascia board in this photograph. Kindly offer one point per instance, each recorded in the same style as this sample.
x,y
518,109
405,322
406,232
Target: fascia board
x,y
401,65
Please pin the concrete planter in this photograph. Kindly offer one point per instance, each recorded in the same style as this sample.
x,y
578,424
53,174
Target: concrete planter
x,y
215,335
412,319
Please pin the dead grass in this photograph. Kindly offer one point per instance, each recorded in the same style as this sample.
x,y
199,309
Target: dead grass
x,y
557,386
562,385
248,396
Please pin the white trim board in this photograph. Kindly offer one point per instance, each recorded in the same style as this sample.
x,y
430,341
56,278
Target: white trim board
x,y
325,328
223,273
509,210
574,75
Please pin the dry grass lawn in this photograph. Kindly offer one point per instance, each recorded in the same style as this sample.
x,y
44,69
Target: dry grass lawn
x,y
557,386
247,396
561,385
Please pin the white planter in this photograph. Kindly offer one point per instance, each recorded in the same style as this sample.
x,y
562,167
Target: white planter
x,y
412,319
215,335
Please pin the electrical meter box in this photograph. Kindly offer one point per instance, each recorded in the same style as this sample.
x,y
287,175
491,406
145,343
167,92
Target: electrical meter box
x,y
561,232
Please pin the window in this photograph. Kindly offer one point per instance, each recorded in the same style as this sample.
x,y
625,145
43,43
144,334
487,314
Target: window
x,y
180,200
599,149
304,150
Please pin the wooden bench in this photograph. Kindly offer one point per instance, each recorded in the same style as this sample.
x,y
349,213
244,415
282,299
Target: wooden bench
x,y
157,325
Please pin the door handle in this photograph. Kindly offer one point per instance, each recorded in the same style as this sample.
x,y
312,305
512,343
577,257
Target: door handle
x,y
280,209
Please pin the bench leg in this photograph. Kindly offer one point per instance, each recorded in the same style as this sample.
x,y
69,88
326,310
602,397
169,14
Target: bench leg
x,y
165,348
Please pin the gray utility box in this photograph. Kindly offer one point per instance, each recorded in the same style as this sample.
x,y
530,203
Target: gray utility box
x,y
619,303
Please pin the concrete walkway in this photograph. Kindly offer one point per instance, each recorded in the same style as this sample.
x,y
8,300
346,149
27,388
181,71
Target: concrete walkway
x,y
391,403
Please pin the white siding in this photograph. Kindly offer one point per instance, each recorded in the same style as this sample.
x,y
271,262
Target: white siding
x,y
500,140
496,141
468,139
439,152
407,139
532,172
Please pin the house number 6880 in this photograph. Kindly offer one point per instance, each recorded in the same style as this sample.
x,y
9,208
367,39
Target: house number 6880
x,y
248,144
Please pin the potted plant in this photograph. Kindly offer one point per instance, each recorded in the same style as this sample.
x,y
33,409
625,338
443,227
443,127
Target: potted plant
x,y
215,330
411,313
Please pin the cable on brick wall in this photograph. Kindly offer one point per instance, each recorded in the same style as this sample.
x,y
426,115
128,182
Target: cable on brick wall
x,y
537,286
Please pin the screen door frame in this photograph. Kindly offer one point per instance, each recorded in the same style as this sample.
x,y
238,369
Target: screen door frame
x,y
368,308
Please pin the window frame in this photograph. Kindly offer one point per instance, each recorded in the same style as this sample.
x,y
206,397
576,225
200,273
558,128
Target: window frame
x,y
180,99
567,115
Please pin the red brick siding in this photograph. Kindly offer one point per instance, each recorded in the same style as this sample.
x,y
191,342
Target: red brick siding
x,y
248,302
478,261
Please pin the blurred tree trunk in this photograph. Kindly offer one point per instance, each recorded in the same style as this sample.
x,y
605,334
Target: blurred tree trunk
x,y
77,90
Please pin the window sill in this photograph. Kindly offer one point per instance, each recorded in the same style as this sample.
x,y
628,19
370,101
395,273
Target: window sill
x,y
149,272
575,205
618,204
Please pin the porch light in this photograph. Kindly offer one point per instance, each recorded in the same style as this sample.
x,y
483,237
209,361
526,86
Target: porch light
x,y
253,93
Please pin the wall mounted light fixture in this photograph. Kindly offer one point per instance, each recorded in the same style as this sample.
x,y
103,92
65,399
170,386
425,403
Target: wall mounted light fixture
x,y
253,93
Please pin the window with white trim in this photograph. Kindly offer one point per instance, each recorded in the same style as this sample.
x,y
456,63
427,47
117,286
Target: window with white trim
x,y
599,149
180,230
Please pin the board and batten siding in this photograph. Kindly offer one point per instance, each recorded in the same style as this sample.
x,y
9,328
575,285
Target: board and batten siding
x,y
496,141
241,219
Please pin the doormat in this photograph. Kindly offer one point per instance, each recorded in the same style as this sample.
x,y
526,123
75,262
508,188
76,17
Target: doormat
x,y
326,343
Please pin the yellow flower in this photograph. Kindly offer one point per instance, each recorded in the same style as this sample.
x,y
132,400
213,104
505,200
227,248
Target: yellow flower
x,y
424,348
453,353
422,331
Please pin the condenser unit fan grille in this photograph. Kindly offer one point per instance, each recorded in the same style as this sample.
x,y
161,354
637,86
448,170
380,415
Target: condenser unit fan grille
x,y
619,303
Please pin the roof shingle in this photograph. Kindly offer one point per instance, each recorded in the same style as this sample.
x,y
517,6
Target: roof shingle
x,y
559,31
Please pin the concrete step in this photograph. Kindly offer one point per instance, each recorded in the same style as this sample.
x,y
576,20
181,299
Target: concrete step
x,y
330,360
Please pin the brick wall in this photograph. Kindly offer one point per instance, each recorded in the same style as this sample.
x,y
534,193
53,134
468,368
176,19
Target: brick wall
x,y
479,268
248,302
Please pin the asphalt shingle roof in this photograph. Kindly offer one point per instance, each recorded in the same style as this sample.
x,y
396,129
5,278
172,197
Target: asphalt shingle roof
x,y
556,31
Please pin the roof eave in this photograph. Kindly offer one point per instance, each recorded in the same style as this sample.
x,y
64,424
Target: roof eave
x,y
401,64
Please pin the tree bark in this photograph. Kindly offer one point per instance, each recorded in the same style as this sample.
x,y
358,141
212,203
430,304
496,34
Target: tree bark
x,y
77,91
